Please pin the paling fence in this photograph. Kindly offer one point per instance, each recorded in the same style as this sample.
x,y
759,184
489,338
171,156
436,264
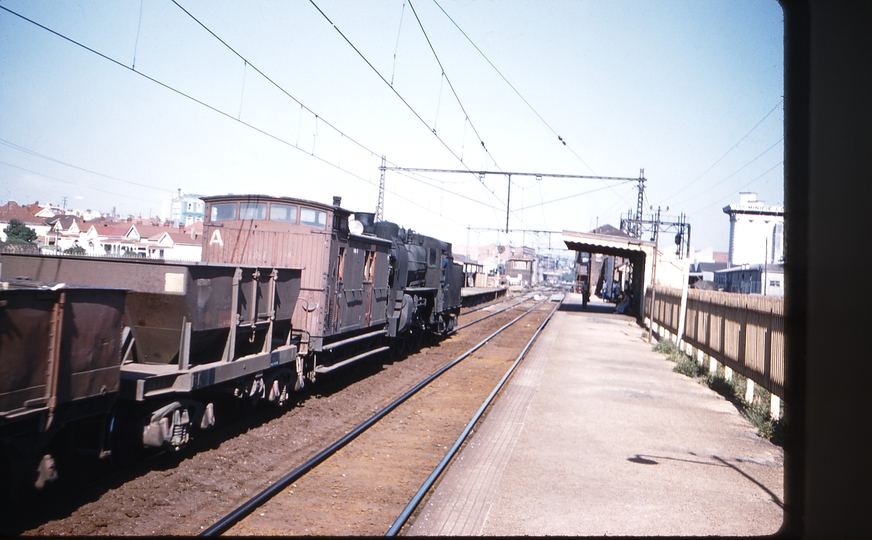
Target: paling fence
x,y
743,332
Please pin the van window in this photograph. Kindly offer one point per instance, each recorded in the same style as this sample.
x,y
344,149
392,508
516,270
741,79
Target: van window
x,y
283,212
223,212
252,210
315,218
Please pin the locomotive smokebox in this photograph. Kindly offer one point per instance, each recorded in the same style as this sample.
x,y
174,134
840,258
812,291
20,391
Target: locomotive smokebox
x,y
368,221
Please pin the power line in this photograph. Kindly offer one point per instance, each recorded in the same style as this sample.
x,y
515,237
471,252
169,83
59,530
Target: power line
x,y
71,183
37,154
318,117
445,75
731,175
179,92
727,152
279,87
406,103
742,187
559,137
563,198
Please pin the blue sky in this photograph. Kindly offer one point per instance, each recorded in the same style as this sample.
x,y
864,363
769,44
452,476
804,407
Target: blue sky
x,y
690,91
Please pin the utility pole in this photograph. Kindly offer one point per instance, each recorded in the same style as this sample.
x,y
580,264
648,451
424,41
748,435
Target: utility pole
x,y
654,274
380,207
639,202
765,262
508,202
637,227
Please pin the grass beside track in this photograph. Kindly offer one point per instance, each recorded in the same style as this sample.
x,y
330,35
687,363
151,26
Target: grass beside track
x,y
733,389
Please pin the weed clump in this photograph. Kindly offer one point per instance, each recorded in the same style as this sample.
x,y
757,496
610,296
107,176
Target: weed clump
x,y
758,412
687,366
665,346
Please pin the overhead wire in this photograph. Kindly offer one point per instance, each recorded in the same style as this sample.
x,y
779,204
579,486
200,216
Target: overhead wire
x,y
71,183
564,198
727,152
49,158
770,169
183,94
451,86
401,98
559,137
397,46
317,117
732,174
278,86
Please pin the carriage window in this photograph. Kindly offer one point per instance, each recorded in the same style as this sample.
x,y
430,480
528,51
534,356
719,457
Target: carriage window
x,y
283,212
315,218
252,210
223,212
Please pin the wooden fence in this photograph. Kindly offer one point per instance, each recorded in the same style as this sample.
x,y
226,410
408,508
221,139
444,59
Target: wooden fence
x,y
743,332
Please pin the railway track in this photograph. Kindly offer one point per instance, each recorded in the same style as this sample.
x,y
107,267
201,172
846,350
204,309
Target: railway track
x,y
179,492
358,451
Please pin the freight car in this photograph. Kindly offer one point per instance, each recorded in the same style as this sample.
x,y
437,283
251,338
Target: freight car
x,y
59,370
190,332
287,289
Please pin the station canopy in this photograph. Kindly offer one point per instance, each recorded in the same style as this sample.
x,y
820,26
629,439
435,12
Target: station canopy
x,y
613,243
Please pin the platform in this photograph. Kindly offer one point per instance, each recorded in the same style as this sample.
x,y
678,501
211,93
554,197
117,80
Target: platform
x,y
471,296
596,435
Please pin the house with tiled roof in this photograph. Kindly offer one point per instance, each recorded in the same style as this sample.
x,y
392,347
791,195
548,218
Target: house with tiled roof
x,y
112,240
174,245
46,211
63,233
12,210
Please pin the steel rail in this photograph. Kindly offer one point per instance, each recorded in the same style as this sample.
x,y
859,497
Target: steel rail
x,y
489,303
425,487
248,507
516,304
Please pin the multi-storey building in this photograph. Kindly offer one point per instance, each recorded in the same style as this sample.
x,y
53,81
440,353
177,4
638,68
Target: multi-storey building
x,y
756,232
184,209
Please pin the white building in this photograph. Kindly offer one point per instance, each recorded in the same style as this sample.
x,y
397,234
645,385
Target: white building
x,y
184,209
756,231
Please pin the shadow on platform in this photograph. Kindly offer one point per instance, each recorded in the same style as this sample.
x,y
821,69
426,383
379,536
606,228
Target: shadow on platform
x,y
591,307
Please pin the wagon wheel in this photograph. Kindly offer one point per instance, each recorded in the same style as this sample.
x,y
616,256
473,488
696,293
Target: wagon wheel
x,y
284,387
125,436
250,397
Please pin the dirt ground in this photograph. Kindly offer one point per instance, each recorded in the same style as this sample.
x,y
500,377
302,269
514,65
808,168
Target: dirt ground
x,y
359,491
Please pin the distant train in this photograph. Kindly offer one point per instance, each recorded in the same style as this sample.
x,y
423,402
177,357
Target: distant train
x,y
138,349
